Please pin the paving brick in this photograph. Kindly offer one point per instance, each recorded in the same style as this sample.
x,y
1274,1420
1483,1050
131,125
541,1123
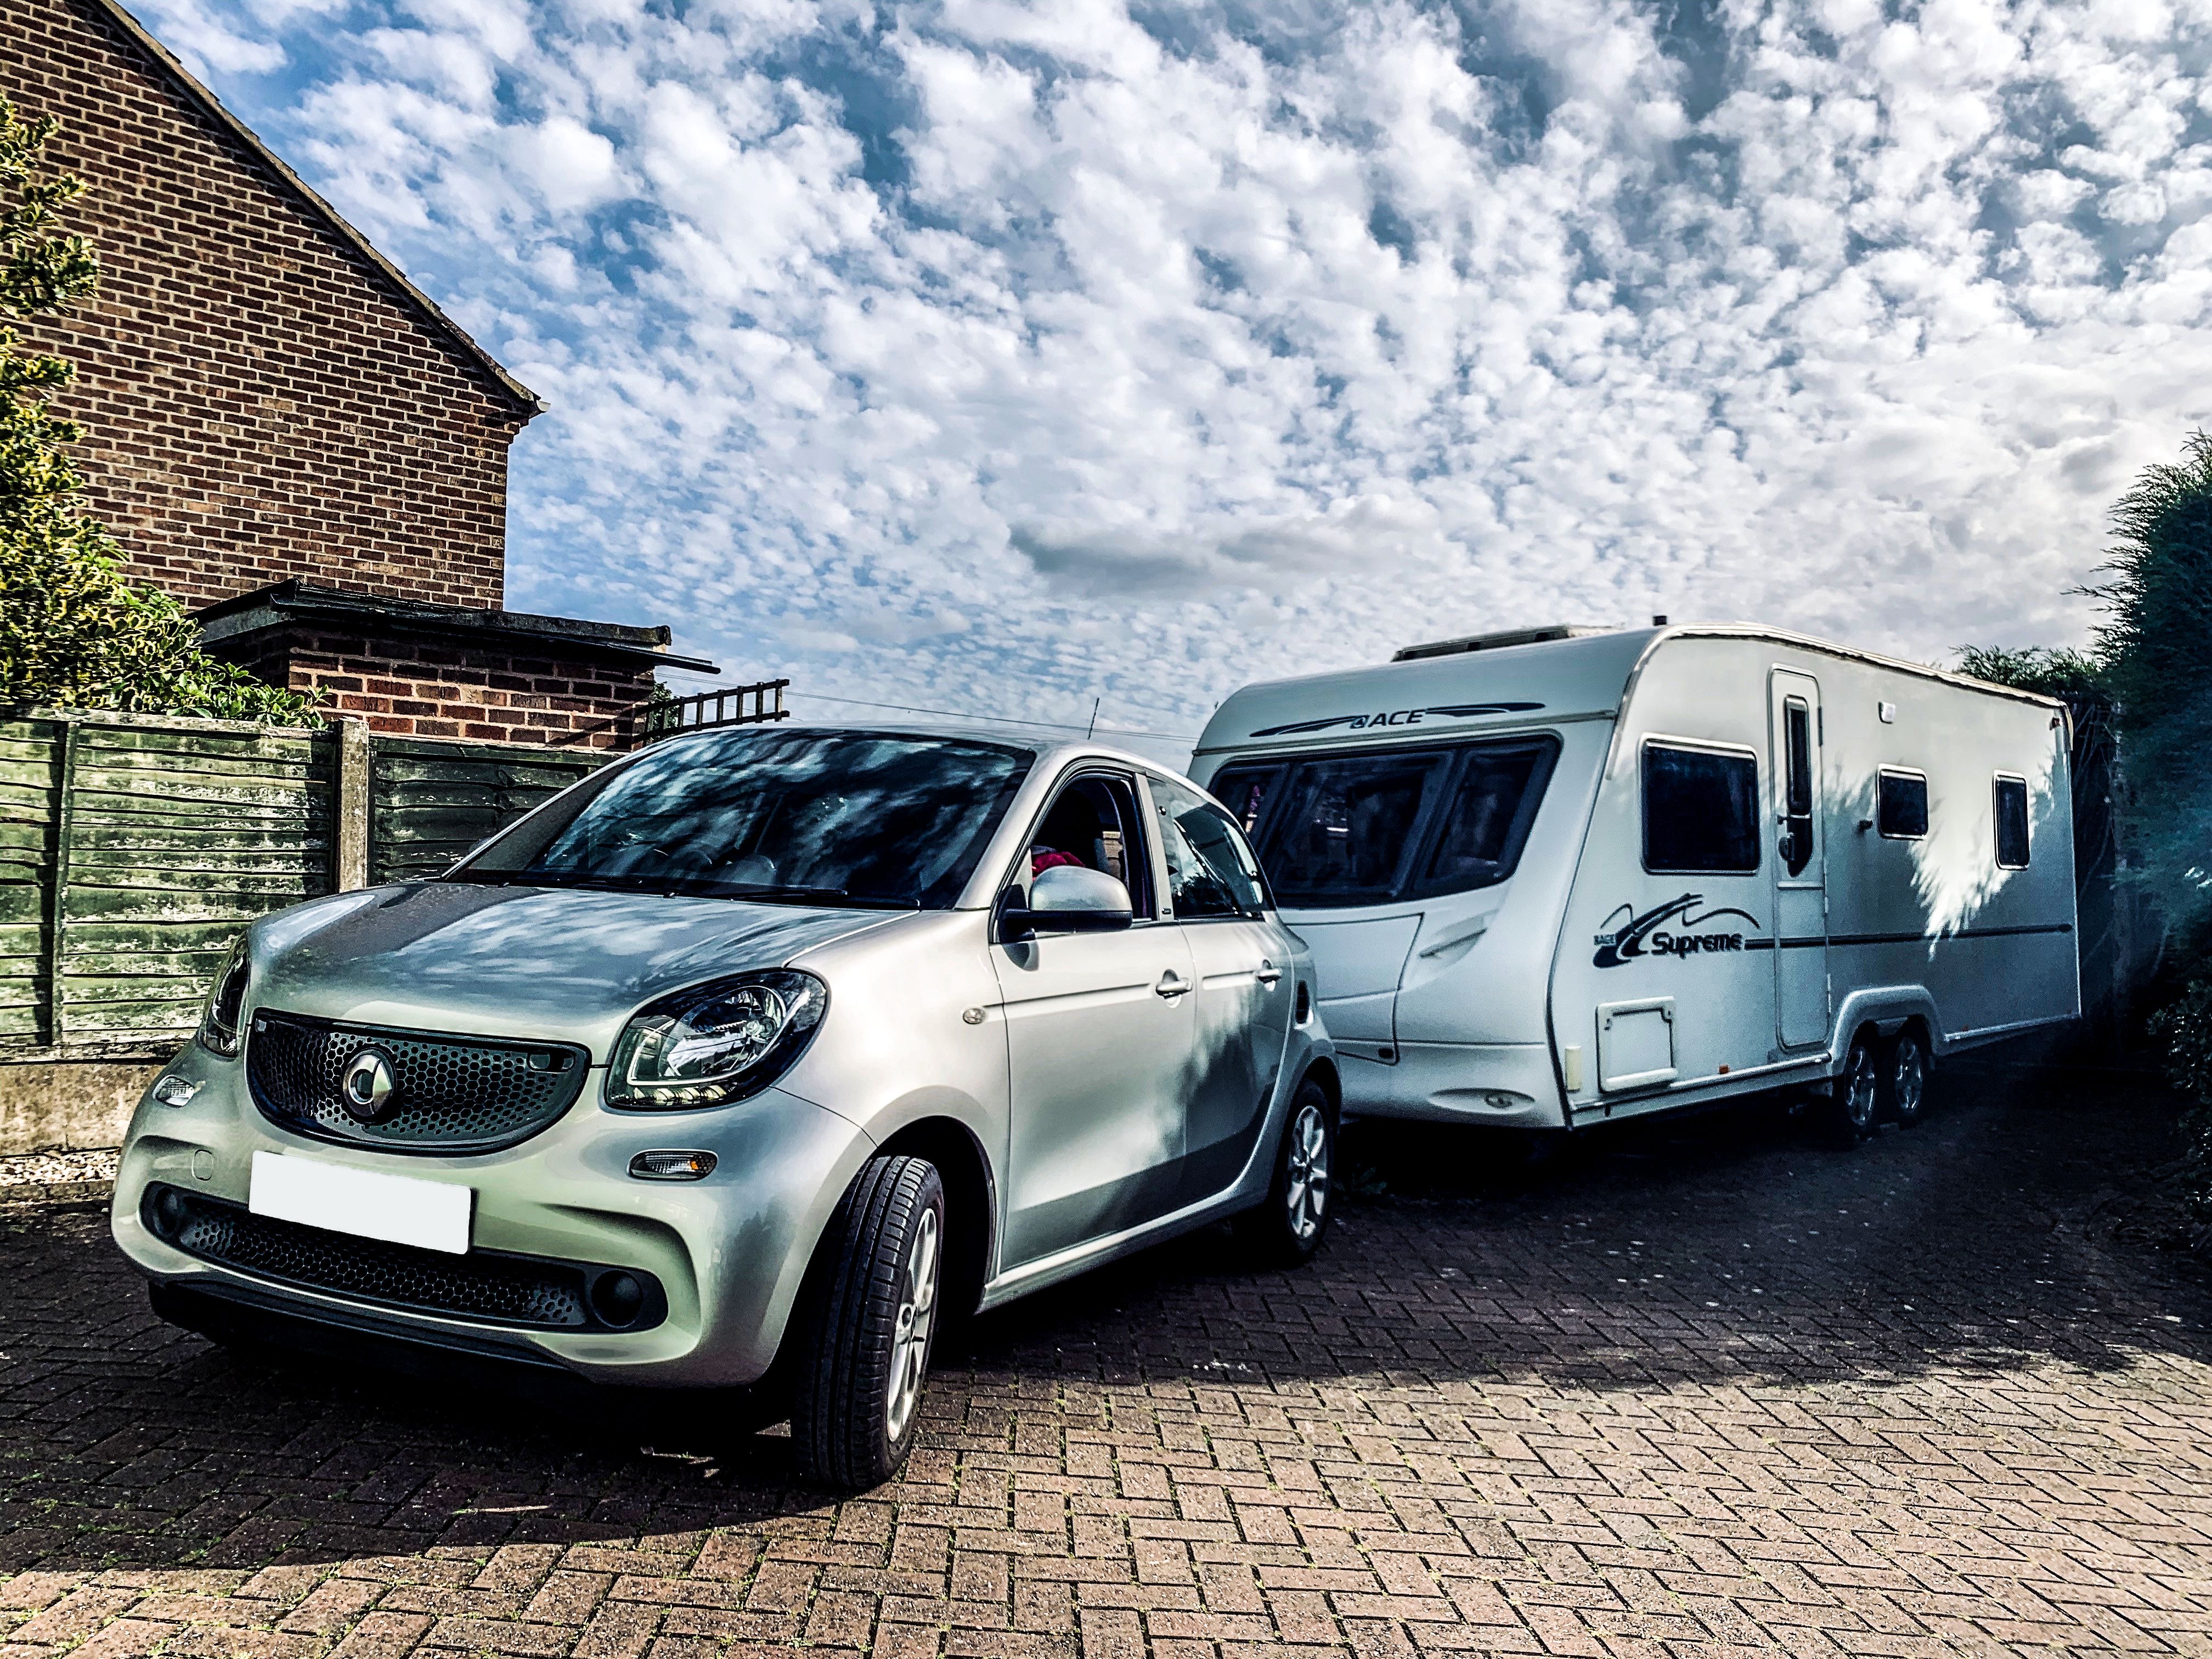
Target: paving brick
x,y
1956,1420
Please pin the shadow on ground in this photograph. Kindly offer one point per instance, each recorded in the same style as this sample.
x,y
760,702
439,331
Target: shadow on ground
x,y
1731,1247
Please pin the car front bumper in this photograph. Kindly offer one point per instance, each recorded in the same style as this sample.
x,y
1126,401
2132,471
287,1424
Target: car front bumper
x,y
728,1252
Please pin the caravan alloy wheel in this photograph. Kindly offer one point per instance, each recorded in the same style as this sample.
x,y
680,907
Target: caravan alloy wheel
x,y
1857,1102
1905,1078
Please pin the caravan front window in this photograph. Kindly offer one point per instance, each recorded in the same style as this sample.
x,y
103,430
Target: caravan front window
x,y
1345,825
1368,828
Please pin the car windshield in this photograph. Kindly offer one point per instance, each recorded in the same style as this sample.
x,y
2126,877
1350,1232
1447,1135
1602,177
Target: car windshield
x,y
867,819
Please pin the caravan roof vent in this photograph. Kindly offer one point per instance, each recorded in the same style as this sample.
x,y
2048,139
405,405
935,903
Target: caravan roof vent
x,y
1493,642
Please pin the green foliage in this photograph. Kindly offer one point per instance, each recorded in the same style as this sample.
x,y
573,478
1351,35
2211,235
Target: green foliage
x,y
2155,649
74,633
2183,1030
2049,671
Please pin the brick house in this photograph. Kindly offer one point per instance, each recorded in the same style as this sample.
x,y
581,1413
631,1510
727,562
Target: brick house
x,y
282,429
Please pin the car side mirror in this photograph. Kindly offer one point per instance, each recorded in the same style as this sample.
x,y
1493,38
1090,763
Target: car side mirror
x,y
1065,899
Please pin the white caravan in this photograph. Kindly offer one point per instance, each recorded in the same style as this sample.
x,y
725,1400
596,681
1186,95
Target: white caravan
x,y
1558,876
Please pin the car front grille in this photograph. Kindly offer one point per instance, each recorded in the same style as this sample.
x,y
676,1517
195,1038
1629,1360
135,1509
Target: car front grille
x,y
451,1094
488,1285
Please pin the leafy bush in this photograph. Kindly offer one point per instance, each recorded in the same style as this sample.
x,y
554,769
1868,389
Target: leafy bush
x,y
2048,671
74,633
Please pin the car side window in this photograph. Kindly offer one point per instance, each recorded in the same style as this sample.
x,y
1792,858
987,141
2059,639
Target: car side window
x,y
1212,871
1093,821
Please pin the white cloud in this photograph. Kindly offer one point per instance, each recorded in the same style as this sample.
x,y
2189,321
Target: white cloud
x,y
1008,356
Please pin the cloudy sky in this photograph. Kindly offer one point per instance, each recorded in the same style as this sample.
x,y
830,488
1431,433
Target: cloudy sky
x,y
1001,357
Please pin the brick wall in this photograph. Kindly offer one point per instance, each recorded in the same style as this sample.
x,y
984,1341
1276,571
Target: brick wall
x,y
431,689
261,401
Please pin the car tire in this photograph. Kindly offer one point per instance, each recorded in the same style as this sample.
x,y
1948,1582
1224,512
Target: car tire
x,y
1288,1227
1855,1097
1906,1071
856,1401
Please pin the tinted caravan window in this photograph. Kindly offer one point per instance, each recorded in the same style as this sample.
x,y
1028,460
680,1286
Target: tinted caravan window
x,y
2012,824
1901,804
1390,823
1700,810
1492,800
1345,826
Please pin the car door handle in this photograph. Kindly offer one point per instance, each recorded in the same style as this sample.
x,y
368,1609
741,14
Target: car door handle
x,y
1267,973
1171,986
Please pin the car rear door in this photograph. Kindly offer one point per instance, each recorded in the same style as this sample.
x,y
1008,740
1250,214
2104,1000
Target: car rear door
x,y
1241,1022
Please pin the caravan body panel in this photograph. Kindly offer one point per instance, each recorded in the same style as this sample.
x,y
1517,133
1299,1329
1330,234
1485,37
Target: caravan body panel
x,y
1748,847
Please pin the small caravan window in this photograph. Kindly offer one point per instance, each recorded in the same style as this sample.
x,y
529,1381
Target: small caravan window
x,y
1901,804
1387,824
1700,810
2012,823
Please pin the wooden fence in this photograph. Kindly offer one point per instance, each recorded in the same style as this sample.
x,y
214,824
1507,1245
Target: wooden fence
x,y
134,848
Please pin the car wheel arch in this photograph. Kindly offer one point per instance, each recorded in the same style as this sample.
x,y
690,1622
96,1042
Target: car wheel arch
x,y
971,1201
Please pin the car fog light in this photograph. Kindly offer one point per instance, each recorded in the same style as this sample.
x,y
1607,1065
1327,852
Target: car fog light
x,y
169,1213
671,1165
618,1298
175,1091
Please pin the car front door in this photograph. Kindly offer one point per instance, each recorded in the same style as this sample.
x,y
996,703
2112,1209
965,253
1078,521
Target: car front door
x,y
1099,1045
1242,1020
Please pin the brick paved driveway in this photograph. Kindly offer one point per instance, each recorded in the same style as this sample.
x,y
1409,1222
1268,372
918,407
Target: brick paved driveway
x,y
1712,1389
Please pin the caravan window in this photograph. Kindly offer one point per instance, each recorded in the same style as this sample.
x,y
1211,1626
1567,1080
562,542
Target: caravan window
x,y
1367,828
1700,810
1900,808
2012,823
1345,826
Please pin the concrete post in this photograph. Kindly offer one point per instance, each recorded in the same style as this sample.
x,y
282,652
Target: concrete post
x,y
350,855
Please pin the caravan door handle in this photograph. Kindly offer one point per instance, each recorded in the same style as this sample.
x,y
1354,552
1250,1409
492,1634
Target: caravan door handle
x,y
1267,973
1171,986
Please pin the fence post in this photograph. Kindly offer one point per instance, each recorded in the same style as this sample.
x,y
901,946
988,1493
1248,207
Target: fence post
x,y
349,841
56,1021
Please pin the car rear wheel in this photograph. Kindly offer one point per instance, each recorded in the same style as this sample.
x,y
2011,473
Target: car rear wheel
x,y
858,1392
1301,1199
1856,1101
1905,1076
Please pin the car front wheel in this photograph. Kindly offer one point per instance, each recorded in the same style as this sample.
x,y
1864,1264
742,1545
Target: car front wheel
x,y
858,1392
1289,1226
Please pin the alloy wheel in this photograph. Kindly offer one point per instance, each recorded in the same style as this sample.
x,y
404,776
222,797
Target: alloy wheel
x,y
1307,1197
1860,1091
910,1337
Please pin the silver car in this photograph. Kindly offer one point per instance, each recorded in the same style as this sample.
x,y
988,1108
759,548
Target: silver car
x,y
743,1062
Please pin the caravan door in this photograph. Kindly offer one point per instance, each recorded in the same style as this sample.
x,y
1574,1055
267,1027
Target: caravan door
x,y
1800,890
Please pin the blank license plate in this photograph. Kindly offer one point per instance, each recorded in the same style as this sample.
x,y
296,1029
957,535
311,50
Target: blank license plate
x,y
367,1203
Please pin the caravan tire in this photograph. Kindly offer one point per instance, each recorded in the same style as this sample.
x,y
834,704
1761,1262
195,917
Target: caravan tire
x,y
1855,1101
1905,1075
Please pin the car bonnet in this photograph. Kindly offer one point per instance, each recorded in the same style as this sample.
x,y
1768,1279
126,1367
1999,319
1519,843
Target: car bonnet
x,y
532,962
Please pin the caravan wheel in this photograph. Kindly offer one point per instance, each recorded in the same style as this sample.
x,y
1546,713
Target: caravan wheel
x,y
1856,1102
1905,1078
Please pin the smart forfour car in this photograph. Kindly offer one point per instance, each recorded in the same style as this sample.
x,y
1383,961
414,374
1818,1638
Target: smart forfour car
x,y
742,1062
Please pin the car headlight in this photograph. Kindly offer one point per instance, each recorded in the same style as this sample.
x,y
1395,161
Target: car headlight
x,y
225,1002
715,1043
